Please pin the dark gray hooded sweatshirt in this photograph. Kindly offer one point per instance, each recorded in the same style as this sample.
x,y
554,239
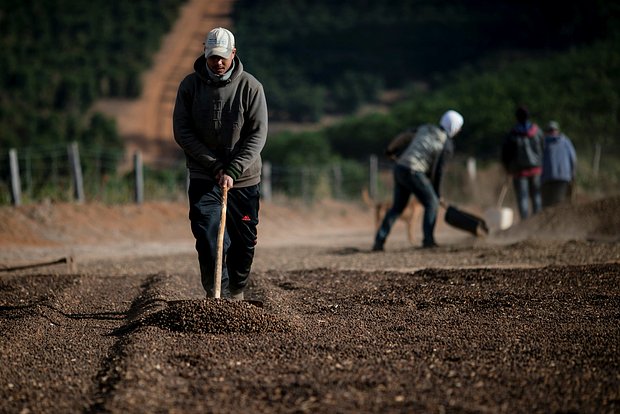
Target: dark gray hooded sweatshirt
x,y
221,124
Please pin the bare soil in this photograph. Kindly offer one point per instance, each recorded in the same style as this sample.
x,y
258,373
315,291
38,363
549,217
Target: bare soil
x,y
525,320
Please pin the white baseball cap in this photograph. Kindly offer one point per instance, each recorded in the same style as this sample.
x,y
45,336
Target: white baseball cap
x,y
219,42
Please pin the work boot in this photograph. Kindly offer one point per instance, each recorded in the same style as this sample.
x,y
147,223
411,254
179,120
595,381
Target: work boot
x,y
429,245
236,295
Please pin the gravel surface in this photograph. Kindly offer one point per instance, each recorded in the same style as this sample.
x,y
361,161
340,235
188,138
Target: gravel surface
x,y
523,321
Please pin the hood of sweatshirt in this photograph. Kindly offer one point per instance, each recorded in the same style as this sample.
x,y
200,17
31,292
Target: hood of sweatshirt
x,y
200,67
552,139
451,122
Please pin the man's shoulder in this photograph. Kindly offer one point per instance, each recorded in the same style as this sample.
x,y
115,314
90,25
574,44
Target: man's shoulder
x,y
244,76
436,131
250,79
428,129
564,137
189,79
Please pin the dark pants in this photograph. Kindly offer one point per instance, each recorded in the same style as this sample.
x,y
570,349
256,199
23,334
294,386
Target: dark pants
x,y
205,198
527,188
407,182
554,192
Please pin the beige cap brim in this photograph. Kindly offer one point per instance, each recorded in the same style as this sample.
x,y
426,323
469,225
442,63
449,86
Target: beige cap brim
x,y
219,51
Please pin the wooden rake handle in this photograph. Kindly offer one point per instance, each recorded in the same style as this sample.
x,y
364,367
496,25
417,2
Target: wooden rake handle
x,y
502,193
217,291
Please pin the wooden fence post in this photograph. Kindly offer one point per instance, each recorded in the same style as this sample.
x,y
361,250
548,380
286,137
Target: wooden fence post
x,y
76,170
374,176
337,169
266,181
16,186
596,162
139,176
305,185
472,173
471,169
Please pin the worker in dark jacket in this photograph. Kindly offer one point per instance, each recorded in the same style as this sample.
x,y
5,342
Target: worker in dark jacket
x,y
559,166
522,151
220,121
418,170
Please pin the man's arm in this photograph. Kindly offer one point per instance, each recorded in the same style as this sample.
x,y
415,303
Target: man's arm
x,y
446,154
184,131
399,143
253,135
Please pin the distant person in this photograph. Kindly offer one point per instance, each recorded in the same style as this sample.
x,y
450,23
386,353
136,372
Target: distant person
x,y
559,166
220,121
420,157
522,151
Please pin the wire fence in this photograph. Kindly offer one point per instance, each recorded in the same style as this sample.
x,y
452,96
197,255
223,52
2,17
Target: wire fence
x,y
66,173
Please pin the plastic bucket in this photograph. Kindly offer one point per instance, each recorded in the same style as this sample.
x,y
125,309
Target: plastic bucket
x,y
499,218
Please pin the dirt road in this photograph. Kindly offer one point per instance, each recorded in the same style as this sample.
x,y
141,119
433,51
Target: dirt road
x,y
145,123
513,323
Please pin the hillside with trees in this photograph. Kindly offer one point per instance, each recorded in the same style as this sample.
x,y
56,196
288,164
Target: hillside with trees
x,y
58,58
483,58
318,58
322,56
